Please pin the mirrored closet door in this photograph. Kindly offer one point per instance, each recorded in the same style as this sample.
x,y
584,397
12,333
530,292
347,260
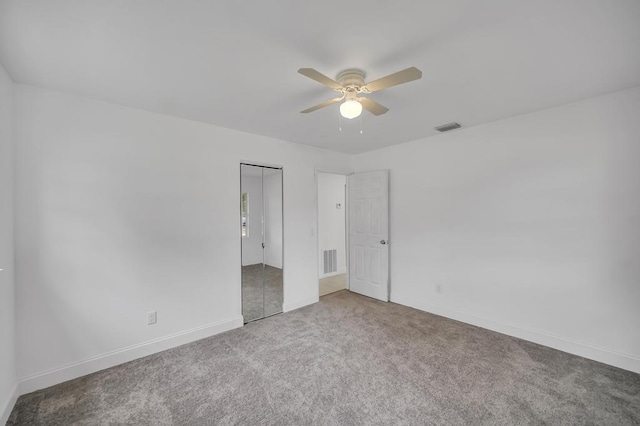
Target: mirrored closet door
x,y
261,230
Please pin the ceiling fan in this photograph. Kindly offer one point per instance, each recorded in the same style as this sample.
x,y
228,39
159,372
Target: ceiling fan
x,y
350,83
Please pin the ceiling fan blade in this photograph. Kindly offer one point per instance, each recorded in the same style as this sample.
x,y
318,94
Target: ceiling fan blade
x,y
322,105
320,78
372,106
400,77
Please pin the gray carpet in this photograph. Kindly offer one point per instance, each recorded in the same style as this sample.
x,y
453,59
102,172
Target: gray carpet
x,y
262,293
346,360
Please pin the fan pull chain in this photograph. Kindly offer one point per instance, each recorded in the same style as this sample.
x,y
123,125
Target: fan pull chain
x,y
360,124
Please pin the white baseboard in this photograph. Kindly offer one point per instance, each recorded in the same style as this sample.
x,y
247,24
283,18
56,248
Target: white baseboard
x,y
331,274
8,405
286,307
120,356
617,359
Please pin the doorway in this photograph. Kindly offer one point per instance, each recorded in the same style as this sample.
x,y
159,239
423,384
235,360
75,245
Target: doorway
x,y
332,232
262,242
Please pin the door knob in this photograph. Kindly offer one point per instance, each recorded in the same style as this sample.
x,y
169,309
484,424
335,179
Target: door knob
x,y
383,241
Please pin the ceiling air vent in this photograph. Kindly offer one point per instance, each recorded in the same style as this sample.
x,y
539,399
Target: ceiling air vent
x,y
447,127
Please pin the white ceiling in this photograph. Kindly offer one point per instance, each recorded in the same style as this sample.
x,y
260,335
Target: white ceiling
x,y
234,63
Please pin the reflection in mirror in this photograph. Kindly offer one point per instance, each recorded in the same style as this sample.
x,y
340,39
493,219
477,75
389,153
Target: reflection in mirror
x,y
272,190
261,231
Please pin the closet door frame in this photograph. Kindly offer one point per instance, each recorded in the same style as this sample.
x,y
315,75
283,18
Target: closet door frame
x,y
268,166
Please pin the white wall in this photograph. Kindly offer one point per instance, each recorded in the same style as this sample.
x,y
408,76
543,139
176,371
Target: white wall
x,y
331,220
120,212
7,300
252,244
273,218
530,224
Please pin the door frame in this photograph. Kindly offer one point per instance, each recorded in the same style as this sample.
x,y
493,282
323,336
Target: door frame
x,y
346,223
269,166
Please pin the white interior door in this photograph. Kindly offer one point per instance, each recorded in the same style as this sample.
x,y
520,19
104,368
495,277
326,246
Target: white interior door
x,y
369,234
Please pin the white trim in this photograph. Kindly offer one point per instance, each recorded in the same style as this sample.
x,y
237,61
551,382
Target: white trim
x,y
286,307
110,359
607,356
333,274
8,407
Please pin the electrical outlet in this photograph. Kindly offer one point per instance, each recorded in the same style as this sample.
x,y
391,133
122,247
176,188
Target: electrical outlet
x,y
439,288
152,317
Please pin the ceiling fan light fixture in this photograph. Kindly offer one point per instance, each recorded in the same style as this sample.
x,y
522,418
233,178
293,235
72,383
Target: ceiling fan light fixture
x,y
351,83
350,109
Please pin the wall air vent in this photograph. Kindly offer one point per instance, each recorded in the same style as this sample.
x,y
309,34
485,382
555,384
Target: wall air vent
x,y
447,127
330,260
